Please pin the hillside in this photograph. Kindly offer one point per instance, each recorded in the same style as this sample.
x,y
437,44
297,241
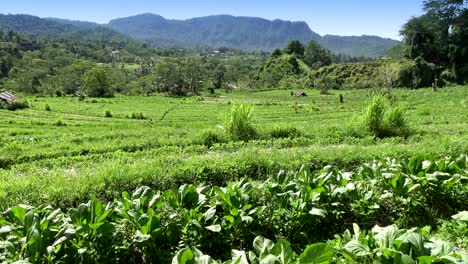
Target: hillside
x,y
219,30
56,28
367,46
242,32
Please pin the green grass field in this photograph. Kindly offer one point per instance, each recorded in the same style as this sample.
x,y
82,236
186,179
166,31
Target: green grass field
x,y
155,179
73,152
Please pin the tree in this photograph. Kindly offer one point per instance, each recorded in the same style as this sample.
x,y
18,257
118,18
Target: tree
x,y
316,56
216,71
96,83
294,47
179,76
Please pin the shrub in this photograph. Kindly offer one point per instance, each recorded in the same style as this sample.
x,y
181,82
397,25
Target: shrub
x,y
17,105
108,113
47,107
238,123
374,115
59,122
395,117
59,93
210,137
284,132
139,116
383,121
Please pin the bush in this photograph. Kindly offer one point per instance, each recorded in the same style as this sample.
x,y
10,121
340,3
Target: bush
x,y
108,113
374,115
211,137
17,105
59,123
383,121
284,132
47,108
238,123
139,116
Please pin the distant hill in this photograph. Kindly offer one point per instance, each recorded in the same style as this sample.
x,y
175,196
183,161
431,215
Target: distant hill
x,y
58,28
367,46
247,33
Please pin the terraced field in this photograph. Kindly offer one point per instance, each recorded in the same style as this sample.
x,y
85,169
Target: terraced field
x,y
65,155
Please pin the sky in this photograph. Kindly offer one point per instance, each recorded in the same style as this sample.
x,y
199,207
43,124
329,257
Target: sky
x,y
337,17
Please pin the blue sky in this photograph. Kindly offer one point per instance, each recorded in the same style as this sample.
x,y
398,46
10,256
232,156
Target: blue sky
x,y
340,17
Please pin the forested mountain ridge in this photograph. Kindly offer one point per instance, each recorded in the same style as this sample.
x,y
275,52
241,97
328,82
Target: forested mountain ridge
x,y
57,28
247,33
242,32
367,46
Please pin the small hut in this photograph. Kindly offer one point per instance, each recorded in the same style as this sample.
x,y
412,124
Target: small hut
x,y
7,97
298,94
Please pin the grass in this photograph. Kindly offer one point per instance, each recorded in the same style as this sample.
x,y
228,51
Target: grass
x,y
42,161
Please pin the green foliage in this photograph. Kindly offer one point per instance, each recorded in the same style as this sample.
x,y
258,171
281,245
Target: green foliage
x,y
316,56
15,105
283,215
294,47
374,115
60,123
107,113
211,137
47,108
284,132
439,36
381,120
138,116
456,229
238,123
178,76
96,83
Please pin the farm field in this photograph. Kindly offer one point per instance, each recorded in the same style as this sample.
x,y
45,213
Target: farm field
x,y
76,144
64,152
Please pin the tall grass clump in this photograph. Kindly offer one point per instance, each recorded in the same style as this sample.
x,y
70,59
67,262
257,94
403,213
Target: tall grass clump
x,y
284,132
382,120
238,123
373,118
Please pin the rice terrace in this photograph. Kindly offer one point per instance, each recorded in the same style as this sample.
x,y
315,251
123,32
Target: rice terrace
x,y
233,139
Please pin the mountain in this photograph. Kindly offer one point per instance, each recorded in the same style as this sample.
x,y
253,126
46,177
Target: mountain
x,y
58,28
366,46
248,33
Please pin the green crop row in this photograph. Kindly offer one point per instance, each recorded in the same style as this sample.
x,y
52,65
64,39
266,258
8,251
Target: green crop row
x,y
302,207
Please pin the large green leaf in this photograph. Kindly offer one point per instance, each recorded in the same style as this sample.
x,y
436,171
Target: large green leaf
x,y
357,249
318,212
214,228
239,257
461,216
262,246
319,253
184,256
385,236
282,250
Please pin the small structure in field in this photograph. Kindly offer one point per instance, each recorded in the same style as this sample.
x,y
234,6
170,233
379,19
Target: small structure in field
x,y
298,94
6,97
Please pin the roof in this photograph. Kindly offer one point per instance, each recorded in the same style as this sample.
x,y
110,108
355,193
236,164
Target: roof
x,y
7,96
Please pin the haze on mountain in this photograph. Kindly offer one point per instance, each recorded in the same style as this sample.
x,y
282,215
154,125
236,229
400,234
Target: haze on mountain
x,y
246,33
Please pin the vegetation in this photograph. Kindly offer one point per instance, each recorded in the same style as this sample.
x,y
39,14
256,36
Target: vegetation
x,y
290,208
227,156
